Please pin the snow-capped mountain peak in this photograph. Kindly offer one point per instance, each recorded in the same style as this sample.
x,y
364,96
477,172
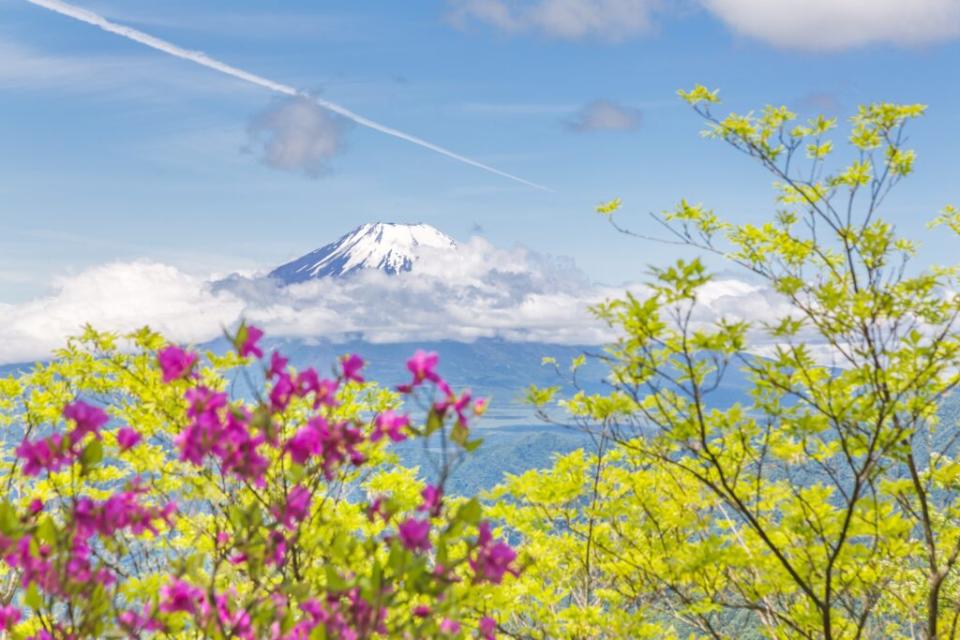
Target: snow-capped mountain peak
x,y
385,246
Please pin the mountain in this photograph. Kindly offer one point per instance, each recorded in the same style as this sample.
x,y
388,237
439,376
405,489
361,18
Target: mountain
x,y
386,246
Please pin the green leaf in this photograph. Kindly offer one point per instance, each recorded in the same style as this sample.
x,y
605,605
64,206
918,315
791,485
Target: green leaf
x,y
92,455
434,422
9,522
32,597
578,362
459,434
470,511
47,531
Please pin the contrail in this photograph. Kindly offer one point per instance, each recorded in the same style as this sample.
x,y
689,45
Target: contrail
x,y
203,59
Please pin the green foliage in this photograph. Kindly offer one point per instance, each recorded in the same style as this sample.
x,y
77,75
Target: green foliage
x,y
826,506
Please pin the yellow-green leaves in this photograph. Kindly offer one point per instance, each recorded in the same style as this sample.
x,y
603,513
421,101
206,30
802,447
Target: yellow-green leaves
x,y
699,95
680,281
608,208
825,504
819,150
695,219
949,216
540,397
857,174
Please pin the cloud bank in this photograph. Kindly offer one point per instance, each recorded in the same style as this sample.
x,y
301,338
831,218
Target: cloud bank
x,y
474,292
814,25
117,297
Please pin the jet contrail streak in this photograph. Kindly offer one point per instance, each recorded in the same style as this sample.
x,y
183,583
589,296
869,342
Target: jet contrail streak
x,y
203,59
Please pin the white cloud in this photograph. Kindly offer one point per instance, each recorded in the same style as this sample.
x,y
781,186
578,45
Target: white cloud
x,y
796,24
297,135
840,24
602,115
476,291
604,20
116,297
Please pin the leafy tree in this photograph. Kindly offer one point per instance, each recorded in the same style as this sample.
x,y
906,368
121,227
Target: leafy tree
x,y
825,506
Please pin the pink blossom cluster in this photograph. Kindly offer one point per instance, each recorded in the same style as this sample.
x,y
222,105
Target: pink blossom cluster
x,y
58,572
179,596
223,432
253,448
344,615
423,366
118,512
56,451
493,558
333,443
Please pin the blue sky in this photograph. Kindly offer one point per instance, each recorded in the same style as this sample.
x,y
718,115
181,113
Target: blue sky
x,y
112,151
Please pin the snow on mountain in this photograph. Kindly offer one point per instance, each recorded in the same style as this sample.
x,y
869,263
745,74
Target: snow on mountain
x,y
386,246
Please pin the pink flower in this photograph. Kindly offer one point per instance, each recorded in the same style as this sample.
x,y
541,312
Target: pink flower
x,y
297,507
177,595
87,418
324,391
351,366
278,364
119,511
494,557
48,454
250,336
205,430
391,424
134,623
276,548
421,611
377,508
432,498
175,362
459,405
480,406
449,626
335,443
422,365
127,438
304,444
415,534
238,450
36,506
487,628
307,381
9,616
32,562
282,391
130,621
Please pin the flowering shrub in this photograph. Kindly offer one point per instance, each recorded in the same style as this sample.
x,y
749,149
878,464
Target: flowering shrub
x,y
156,501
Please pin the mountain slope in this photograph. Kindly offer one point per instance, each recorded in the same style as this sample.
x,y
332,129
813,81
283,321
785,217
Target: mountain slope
x,y
388,247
